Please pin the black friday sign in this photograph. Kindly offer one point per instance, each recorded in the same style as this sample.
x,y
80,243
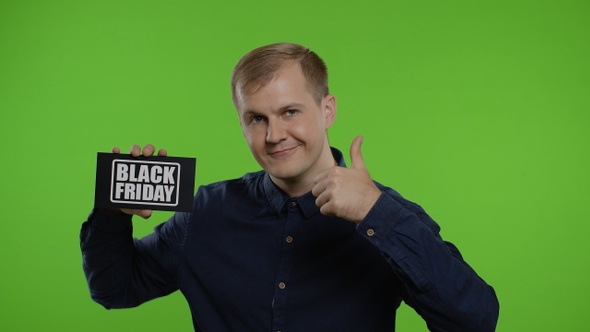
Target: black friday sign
x,y
157,183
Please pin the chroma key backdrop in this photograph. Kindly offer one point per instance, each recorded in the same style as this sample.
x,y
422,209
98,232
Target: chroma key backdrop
x,y
476,110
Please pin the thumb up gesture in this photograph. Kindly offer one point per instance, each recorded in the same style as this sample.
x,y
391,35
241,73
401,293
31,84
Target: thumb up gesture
x,y
347,193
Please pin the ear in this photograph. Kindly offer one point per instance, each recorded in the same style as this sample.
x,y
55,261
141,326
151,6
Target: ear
x,y
329,110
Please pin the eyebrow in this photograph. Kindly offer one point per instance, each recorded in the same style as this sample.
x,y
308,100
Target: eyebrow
x,y
249,113
288,106
291,106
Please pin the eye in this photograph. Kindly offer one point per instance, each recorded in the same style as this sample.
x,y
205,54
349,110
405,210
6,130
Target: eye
x,y
291,112
256,119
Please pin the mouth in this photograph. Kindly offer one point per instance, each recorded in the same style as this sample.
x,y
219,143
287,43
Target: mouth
x,y
283,152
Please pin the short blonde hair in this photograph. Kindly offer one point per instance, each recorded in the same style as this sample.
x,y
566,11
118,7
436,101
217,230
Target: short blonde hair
x,y
259,66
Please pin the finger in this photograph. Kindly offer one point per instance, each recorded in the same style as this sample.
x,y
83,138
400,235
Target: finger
x,y
162,153
318,189
135,150
148,150
356,158
327,210
116,150
322,199
321,181
145,214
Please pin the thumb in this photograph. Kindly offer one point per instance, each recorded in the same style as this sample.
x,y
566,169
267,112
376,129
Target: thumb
x,y
356,158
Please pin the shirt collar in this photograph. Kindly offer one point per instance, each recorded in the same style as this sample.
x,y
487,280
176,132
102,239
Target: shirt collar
x,y
277,198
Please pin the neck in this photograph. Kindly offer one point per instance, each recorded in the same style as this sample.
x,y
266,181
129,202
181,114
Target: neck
x,y
293,188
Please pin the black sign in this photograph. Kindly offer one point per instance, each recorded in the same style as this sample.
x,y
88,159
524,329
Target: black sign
x,y
155,183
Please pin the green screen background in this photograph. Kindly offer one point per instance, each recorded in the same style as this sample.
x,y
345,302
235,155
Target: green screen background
x,y
478,111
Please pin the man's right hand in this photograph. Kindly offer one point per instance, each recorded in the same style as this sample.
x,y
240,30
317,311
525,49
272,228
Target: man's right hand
x,y
136,151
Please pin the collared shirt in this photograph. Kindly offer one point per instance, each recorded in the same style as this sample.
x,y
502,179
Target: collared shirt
x,y
250,258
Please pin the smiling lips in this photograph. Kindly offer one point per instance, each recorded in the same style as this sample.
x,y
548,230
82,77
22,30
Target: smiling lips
x,y
282,152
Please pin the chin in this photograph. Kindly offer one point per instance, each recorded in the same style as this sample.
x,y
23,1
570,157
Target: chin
x,y
283,173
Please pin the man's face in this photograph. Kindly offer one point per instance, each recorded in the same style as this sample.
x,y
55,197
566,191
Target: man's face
x,y
286,129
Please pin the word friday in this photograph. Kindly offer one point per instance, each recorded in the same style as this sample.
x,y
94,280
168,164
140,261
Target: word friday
x,y
145,182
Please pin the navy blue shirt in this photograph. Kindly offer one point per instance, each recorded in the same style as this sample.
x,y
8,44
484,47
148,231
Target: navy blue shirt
x,y
250,258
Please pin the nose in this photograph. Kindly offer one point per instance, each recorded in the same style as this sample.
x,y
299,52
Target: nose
x,y
275,132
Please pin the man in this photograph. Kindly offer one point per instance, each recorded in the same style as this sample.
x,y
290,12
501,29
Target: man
x,y
306,244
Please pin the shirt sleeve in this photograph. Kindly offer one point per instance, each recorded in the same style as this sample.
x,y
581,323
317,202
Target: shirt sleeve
x,y
438,283
124,272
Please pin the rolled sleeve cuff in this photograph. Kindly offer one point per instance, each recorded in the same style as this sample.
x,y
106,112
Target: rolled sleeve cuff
x,y
379,222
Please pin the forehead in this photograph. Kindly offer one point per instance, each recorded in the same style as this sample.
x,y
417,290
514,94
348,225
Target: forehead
x,y
288,86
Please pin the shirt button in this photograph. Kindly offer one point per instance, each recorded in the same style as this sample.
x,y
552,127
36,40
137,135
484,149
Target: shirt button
x,y
293,203
289,239
282,285
370,232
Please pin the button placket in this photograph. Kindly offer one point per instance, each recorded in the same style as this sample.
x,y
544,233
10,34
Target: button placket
x,y
294,217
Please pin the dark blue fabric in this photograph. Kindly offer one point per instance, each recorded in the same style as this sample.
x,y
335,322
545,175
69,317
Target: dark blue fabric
x,y
249,258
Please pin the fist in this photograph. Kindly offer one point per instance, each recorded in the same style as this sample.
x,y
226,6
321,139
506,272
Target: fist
x,y
347,193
